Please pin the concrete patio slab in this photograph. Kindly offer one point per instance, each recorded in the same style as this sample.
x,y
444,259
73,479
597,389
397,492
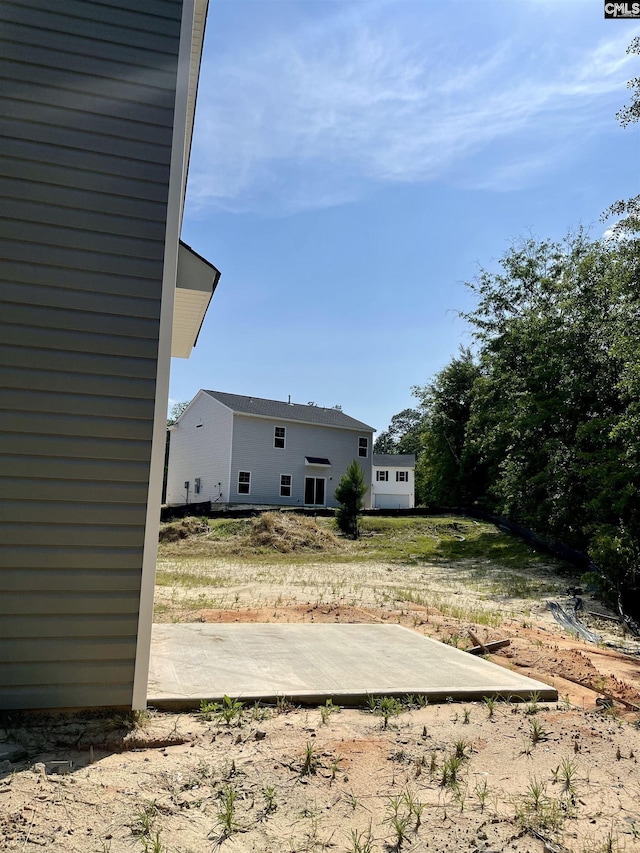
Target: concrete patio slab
x,y
311,663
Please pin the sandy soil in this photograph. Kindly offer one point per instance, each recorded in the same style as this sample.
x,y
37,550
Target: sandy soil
x,y
559,776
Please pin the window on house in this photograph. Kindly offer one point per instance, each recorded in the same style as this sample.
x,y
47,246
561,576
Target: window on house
x,y
382,476
363,447
285,485
279,437
196,485
402,476
244,482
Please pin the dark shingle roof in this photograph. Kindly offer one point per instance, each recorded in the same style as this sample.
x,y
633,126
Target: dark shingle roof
x,y
287,411
394,460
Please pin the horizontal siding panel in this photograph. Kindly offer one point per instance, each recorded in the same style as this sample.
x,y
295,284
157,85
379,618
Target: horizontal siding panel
x,y
69,28
36,379
109,126
86,130
46,423
51,236
21,76
131,210
61,512
94,282
67,696
68,649
76,12
33,250
71,340
94,535
94,326
75,473
60,603
80,404
65,557
87,62
77,362
114,162
79,580
121,226
139,57
65,299
36,94
64,672
88,458
165,8
73,490
92,95
95,182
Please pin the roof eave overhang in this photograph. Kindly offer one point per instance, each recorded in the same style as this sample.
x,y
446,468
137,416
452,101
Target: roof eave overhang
x,y
196,282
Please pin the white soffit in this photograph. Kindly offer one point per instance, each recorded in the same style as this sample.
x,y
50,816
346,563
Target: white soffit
x,y
196,282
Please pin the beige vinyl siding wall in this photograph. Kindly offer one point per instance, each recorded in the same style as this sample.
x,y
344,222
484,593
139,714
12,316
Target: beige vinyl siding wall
x,y
253,451
86,122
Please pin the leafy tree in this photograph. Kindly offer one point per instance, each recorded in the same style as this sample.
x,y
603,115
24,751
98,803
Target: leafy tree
x,y
403,433
441,473
628,209
350,493
554,418
176,410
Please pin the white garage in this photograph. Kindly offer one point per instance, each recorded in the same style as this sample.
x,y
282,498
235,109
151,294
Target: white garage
x,y
391,501
393,481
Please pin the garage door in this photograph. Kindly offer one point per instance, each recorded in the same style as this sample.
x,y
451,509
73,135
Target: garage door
x,y
391,501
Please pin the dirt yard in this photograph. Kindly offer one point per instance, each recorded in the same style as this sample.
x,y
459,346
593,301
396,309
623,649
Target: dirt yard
x,y
396,776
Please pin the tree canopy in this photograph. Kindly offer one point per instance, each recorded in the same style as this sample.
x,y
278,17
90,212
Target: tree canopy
x,y
541,422
542,425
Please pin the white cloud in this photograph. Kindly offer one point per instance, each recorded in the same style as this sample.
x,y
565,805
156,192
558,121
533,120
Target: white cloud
x,y
312,117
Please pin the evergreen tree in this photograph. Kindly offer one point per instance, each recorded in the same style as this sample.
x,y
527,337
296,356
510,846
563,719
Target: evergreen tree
x,y
350,493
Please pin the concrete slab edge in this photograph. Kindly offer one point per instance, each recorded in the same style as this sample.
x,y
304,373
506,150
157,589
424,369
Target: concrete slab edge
x,y
356,698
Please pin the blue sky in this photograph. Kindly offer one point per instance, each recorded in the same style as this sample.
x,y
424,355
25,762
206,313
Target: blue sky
x,y
354,163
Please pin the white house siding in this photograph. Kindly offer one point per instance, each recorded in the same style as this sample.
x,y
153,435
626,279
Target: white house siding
x,y
200,446
254,451
391,494
87,113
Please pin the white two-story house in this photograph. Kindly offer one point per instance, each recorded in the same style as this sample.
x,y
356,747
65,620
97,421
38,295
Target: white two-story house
x,y
393,481
232,449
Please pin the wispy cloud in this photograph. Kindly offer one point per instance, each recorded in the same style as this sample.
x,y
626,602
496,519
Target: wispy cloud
x,y
312,117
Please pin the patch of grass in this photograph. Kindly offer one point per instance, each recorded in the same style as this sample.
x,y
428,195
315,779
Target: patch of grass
x,y
538,813
310,762
226,817
385,707
228,710
361,842
183,576
537,732
327,710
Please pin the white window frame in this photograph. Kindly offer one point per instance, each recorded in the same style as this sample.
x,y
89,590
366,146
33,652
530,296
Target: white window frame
x,y
382,476
248,483
363,446
288,485
402,476
282,438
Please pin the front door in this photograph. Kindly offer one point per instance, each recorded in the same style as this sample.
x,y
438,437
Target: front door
x,y
314,490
